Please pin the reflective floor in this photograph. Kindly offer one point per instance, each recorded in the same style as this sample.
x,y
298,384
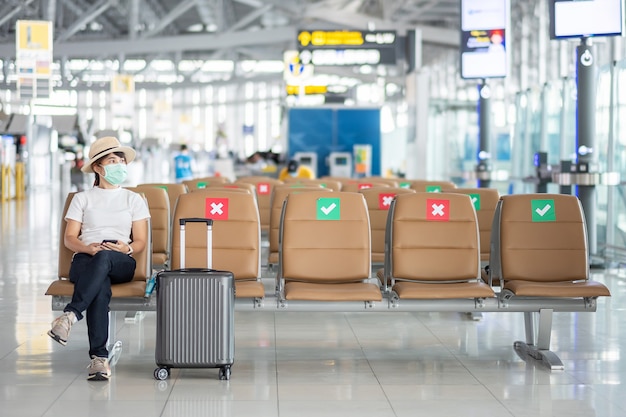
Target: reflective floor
x,y
300,364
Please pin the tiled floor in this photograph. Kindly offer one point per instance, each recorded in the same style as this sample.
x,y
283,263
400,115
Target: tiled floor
x,y
300,364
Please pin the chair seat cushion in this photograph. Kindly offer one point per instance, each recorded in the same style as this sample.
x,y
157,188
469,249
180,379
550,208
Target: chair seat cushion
x,y
159,258
273,258
557,289
353,291
427,291
380,274
378,257
249,289
64,287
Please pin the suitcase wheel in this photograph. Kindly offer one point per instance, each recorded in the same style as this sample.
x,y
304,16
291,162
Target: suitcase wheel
x,y
161,373
225,373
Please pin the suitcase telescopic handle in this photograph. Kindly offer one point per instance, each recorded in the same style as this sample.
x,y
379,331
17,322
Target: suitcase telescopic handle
x,y
208,222
209,238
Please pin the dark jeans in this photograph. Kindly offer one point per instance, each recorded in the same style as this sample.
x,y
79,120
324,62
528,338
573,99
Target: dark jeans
x,y
92,277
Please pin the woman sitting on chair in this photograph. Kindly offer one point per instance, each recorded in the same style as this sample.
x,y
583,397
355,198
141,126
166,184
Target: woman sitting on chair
x,y
100,222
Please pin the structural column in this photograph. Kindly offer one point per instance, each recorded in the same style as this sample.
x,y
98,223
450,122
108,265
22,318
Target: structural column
x,y
585,137
483,166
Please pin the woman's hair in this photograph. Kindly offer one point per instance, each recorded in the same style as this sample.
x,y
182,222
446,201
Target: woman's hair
x,y
96,182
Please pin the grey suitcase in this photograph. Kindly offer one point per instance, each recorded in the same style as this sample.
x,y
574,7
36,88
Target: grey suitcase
x,y
195,315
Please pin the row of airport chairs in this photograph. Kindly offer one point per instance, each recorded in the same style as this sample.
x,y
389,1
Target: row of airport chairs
x,y
432,253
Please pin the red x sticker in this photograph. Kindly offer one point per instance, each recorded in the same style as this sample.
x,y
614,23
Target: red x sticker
x,y
216,208
438,210
384,200
263,188
364,186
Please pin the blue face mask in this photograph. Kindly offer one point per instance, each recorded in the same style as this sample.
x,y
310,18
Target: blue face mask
x,y
115,174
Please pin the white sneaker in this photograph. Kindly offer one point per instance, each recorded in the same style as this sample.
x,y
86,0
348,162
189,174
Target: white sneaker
x,y
99,369
61,327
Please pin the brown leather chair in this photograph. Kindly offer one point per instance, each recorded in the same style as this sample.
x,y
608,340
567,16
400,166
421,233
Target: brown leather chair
x,y
378,201
539,247
204,182
159,206
392,182
539,256
355,187
340,180
135,288
279,193
485,201
236,236
264,187
325,259
173,191
250,188
324,183
422,186
433,248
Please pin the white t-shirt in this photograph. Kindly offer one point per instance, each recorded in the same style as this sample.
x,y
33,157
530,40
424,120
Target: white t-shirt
x,y
107,213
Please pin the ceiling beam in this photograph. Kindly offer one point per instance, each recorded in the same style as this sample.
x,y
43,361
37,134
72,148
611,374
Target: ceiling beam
x,y
143,47
89,15
10,11
174,14
249,18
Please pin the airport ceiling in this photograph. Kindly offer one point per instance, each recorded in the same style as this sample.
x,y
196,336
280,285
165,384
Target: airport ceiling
x,y
200,30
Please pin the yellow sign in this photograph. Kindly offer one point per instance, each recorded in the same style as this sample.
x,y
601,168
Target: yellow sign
x,y
34,35
33,43
294,90
123,84
330,38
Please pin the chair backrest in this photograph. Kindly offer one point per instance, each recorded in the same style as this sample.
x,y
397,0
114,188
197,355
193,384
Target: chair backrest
x,y
325,237
159,206
485,201
378,201
539,237
355,187
251,188
204,182
143,259
264,187
279,194
422,186
173,191
236,231
392,182
324,183
432,238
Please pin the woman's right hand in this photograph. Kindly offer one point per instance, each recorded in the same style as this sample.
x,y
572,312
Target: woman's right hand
x,y
94,248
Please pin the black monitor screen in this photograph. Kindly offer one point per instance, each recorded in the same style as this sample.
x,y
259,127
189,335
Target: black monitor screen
x,y
578,18
341,160
305,160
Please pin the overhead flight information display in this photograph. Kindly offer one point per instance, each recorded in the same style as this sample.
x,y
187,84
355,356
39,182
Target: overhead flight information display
x,y
484,26
347,47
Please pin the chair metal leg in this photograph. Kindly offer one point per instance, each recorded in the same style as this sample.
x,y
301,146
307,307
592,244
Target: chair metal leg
x,y
539,348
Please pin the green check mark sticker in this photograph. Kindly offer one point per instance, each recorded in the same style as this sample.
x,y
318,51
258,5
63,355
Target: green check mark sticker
x,y
543,210
475,201
433,189
328,209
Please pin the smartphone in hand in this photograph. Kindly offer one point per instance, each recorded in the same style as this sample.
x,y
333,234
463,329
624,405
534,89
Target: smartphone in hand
x,y
109,241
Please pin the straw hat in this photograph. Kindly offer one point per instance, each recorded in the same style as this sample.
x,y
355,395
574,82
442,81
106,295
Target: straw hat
x,y
105,146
